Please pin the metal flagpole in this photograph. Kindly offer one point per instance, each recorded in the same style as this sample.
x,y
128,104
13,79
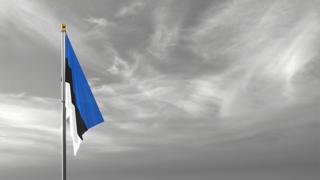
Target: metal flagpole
x,y
63,142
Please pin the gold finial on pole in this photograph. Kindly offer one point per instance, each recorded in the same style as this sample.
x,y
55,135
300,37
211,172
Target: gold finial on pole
x,y
63,27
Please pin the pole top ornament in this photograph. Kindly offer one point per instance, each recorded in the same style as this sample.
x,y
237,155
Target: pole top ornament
x,y
63,27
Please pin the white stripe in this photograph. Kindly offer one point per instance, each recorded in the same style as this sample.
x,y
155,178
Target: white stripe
x,y
71,118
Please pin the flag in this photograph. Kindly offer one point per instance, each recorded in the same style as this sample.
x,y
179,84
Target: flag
x,y
82,111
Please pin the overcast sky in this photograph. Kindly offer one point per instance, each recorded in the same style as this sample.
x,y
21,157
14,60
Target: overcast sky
x,y
189,89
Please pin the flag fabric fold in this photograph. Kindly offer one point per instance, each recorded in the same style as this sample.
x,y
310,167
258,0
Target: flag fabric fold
x,y
82,111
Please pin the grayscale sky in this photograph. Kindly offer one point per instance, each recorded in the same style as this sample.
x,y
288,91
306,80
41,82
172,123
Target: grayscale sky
x,y
189,89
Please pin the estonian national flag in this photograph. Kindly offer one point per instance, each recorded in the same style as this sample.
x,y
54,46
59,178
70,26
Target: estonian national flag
x,y
82,111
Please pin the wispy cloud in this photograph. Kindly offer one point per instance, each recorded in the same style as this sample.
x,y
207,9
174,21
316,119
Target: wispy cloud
x,y
100,22
130,9
233,79
30,125
32,18
165,34
263,64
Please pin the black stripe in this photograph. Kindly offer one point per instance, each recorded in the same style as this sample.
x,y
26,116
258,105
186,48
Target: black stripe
x,y
81,127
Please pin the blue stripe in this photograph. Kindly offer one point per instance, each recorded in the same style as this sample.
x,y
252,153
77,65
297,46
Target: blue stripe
x,y
84,99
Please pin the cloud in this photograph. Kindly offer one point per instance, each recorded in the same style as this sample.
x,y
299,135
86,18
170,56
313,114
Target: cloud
x,y
191,86
32,130
101,22
32,18
165,34
35,20
119,66
30,126
130,9
260,51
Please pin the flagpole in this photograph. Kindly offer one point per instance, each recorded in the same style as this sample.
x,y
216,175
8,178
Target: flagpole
x,y
63,121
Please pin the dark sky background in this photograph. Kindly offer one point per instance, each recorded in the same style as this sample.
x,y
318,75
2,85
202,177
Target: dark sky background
x,y
189,89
